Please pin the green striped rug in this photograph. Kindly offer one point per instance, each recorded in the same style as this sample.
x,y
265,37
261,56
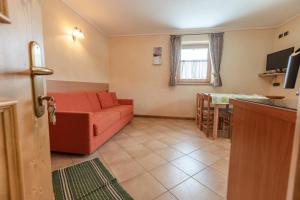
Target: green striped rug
x,y
89,180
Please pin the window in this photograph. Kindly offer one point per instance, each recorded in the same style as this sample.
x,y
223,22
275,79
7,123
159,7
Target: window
x,y
195,64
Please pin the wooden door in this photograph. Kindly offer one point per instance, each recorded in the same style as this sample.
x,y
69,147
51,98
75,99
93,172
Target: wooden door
x,y
15,85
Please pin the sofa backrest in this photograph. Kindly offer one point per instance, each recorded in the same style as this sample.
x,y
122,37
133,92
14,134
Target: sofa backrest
x,y
79,101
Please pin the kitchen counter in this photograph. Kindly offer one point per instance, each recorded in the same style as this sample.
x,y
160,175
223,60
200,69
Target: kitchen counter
x,y
261,149
280,103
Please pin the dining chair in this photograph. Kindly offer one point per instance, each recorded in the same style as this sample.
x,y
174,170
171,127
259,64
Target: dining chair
x,y
198,109
225,122
207,114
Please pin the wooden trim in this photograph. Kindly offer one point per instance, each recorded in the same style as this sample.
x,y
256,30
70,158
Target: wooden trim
x,y
8,117
165,117
73,86
192,82
294,176
4,18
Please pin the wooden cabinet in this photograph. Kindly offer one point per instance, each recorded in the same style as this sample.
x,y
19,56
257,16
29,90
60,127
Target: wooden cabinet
x,y
261,151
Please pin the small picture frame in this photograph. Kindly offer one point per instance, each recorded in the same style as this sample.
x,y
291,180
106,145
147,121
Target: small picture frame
x,y
157,56
4,17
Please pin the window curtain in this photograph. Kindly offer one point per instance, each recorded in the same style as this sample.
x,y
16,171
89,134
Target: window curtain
x,y
216,49
175,58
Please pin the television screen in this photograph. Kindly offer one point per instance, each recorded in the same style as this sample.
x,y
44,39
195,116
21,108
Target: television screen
x,y
279,60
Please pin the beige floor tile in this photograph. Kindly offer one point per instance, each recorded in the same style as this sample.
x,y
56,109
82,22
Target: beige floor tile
x,y
166,196
120,136
115,156
222,166
201,143
151,161
160,128
154,144
189,165
127,142
204,157
156,135
109,146
82,158
216,150
169,154
179,135
135,133
193,190
144,187
168,140
185,147
142,138
125,170
169,176
126,156
213,179
138,150
59,160
227,158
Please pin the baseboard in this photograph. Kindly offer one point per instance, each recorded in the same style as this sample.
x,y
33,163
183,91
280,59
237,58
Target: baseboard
x,y
165,117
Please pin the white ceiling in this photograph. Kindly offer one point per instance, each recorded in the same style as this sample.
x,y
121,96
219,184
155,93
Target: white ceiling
x,y
122,17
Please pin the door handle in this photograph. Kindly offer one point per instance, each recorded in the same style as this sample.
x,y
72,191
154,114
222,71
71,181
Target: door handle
x,y
41,71
37,72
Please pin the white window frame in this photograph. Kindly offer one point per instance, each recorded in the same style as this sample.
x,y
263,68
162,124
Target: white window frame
x,y
196,81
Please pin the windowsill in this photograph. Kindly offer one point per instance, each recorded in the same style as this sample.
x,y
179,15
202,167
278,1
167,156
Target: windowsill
x,y
191,83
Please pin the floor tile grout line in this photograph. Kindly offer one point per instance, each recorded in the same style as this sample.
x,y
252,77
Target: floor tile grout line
x,y
207,187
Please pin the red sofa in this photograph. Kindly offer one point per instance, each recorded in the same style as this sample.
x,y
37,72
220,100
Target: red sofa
x,y
86,120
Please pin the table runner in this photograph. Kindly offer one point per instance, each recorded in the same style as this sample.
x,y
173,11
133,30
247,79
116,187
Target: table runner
x,y
223,98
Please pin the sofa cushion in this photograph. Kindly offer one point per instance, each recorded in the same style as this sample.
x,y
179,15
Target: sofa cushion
x,y
124,110
106,99
72,102
103,120
115,99
94,101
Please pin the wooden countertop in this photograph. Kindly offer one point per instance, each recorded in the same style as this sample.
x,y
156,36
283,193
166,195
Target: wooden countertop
x,y
265,109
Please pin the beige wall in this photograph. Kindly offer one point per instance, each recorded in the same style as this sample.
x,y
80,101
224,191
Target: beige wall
x,y
292,40
85,60
134,76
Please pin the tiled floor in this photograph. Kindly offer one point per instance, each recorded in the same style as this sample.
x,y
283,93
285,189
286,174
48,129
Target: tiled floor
x,y
163,159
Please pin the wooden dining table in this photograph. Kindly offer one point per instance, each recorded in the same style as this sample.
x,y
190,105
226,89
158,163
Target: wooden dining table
x,y
222,99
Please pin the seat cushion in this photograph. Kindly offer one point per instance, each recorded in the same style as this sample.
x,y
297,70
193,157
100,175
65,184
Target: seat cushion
x,y
94,101
124,110
72,102
103,120
106,99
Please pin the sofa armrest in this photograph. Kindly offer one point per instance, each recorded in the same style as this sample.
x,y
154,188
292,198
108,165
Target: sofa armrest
x,y
72,130
125,101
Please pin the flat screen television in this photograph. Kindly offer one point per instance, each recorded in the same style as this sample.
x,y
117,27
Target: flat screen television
x,y
279,60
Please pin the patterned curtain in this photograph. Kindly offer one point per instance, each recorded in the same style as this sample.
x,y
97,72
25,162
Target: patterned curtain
x,y
216,49
175,57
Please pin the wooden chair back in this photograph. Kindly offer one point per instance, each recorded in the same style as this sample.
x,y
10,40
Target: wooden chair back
x,y
200,104
207,114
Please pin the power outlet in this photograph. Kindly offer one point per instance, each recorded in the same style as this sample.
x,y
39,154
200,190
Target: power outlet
x,y
281,35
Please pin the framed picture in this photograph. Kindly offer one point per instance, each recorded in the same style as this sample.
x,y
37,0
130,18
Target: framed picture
x,y
157,55
4,18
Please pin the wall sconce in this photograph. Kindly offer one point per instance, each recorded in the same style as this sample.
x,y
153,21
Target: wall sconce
x,y
77,34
